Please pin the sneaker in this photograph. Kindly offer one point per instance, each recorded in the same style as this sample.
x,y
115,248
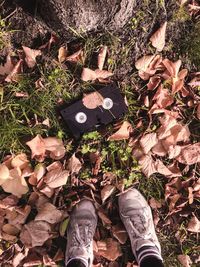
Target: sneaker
x,y
80,232
137,218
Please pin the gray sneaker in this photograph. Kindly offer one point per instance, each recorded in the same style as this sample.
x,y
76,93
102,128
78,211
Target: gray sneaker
x,y
80,232
136,215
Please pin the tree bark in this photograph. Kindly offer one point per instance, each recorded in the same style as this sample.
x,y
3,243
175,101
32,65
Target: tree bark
x,y
85,15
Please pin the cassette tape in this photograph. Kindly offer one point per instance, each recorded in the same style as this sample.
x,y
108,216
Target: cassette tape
x,y
94,110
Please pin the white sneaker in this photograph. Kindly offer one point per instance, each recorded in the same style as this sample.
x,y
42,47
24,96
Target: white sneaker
x,y
136,215
80,232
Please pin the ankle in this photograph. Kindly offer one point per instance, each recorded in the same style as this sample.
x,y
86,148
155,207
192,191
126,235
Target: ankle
x,y
151,261
76,262
147,253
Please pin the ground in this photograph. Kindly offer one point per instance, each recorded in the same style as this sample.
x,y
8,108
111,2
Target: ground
x,y
22,117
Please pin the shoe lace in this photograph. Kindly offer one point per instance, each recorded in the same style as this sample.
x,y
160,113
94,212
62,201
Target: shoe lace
x,y
82,235
139,225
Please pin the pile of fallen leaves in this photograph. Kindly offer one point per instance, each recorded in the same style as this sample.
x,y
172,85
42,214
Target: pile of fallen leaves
x,y
39,191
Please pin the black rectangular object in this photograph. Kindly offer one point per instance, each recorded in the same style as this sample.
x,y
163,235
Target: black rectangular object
x,y
81,119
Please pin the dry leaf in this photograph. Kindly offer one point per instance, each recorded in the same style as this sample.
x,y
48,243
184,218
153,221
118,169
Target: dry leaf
x,y
109,249
55,146
123,132
93,100
37,147
143,63
154,81
13,76
74,165
56,178
7,67
190,154
49,213
10,229
106,192
35,233
31,55
194,225
148,141
163,98
20,161
185,260
158,38
4,173
147,165
119,232
104,218
16,184
155,204
77,56
103,74
88,75
62,54
102,56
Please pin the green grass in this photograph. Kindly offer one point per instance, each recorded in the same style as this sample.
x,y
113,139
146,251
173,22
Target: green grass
x,y
17,123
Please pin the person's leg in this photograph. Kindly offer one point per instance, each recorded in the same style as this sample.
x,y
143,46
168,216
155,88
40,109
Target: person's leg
x,y
137,218
80,233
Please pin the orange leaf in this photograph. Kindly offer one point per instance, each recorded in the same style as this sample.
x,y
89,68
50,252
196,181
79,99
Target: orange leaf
x,y
185,260
143,62
77,56
7,67
37,147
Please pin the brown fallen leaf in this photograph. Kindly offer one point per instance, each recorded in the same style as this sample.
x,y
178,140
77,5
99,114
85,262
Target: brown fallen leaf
x,y
147,165
154,81
143,62
119,232
109,249
104,217
20,161
163,98
158,38
56,178
91,75
49,213
77,56
30,56
155,204
7,67
35,233
106,192
92,100
190,154
62,54
55,147
194,225
74,165
15,184
10,229
185,260
4,173
102,56
37,147
123,132
13,76
148,141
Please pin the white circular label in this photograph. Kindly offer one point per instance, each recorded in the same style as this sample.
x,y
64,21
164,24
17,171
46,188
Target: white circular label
x,y
107,103
81,117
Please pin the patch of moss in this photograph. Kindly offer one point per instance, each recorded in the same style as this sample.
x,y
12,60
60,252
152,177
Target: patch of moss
x,y
181,15
194,45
